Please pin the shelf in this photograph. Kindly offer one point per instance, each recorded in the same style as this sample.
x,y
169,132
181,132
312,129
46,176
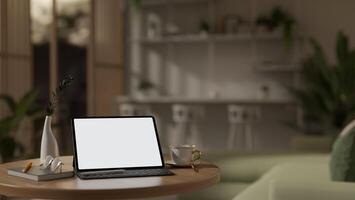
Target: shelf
x,y
193,38
278,67
176,39
187,100
147,3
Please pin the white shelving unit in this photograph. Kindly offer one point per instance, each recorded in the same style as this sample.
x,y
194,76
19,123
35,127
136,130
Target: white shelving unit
x,y
214,69
139,41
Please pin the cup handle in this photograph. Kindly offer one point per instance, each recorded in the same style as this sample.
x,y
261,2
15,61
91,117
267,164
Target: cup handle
x,y
196,155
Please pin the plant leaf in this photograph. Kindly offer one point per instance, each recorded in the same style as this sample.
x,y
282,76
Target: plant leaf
x,y
328,95
342,47
6,125
25,103
9,101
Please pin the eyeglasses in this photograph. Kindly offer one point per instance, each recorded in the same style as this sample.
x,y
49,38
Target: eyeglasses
x,y
52,164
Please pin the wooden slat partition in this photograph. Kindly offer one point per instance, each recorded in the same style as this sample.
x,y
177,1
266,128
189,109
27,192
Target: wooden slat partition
x,y
15,58
106,51
3,36
15,52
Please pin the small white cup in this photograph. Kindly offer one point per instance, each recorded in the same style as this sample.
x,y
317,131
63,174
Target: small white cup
x,y
184,155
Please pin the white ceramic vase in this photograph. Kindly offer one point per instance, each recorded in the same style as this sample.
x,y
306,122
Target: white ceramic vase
x,y
49,144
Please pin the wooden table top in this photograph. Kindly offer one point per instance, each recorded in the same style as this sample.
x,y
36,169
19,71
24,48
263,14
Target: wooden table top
x,y
184,180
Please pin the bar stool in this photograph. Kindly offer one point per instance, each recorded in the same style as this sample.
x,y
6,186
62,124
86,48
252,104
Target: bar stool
x,y
186,118
240,119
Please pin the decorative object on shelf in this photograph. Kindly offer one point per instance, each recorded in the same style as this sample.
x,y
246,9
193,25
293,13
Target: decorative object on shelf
x,y
204,28
232,24
172,29
146,88
49,144
327,97
154,26
26,107
278,18
264,91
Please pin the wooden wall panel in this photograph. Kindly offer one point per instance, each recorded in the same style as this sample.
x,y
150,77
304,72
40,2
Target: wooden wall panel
x,y
17,71
108,32
2,53
1,82
1,24
108,84
105,56
19,75
18,26
15,57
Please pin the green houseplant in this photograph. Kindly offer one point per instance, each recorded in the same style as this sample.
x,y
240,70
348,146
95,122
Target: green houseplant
x,y
328,93
136,4
278,18
24,108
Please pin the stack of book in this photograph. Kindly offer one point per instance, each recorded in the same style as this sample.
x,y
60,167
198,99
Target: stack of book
x,y
38,174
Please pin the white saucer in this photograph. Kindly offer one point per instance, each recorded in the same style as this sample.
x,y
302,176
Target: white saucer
x,y
172,163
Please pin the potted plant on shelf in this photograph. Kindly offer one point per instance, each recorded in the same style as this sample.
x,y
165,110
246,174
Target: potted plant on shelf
x,y
20,110
49,144
146,88
278,18
327,96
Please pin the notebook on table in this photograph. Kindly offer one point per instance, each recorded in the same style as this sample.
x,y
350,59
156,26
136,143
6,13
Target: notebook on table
x,y
38,174
115,147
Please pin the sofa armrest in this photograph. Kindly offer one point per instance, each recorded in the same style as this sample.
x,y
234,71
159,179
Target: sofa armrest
x,y
282,190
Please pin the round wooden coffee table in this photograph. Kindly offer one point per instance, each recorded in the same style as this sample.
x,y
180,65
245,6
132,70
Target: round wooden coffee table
x,y
184,180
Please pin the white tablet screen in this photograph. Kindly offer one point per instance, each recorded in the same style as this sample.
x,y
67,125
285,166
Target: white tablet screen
x,y
116,143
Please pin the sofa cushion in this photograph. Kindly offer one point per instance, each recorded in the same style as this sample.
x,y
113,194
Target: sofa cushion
x,y
289,190
249,167
342,163
291,171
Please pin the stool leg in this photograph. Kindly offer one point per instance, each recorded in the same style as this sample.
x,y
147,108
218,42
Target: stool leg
x,y
249,137
232,135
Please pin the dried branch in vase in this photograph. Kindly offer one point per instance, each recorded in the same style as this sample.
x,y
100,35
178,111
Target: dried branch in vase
x,y
57,93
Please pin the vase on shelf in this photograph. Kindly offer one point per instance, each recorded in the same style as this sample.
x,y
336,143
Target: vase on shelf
x,y
49,144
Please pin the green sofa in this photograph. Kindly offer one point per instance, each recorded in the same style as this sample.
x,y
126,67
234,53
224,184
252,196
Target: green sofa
x,y
273,176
